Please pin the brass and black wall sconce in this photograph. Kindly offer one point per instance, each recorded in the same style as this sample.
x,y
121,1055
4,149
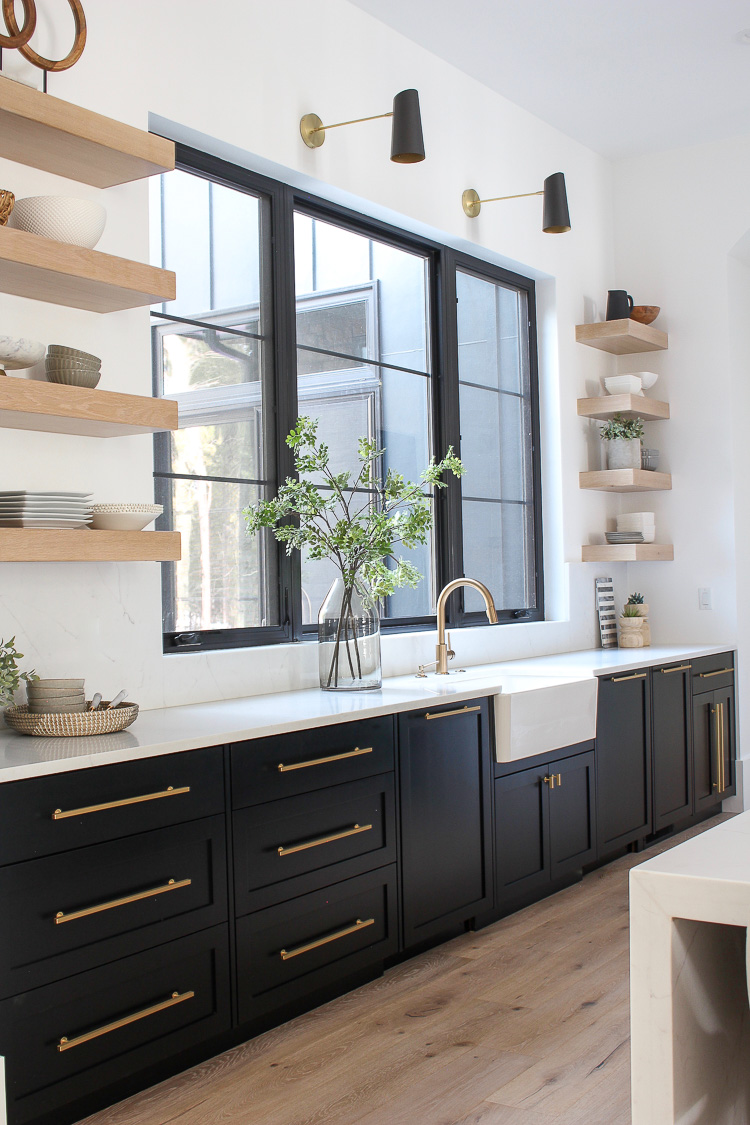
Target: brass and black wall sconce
x,y
555,217
407,142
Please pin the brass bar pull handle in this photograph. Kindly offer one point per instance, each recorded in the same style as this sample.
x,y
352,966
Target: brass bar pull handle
x,y
71,916
718,672
717,739
65,1044
722,760
447,714
355,753
559,779
59,814
682,668
550,780
354,831
286,954
635,676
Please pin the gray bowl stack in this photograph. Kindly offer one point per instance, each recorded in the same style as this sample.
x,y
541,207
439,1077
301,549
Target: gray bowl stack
x,y
73,367
55,697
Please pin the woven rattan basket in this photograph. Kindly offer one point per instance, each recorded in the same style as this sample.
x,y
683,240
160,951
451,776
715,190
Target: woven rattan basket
x,y
75,724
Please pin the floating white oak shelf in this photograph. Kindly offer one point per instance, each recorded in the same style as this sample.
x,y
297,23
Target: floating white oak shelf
x,y
629,406
625,480
59,137
622,337
45,270
628,552
37,545
27,404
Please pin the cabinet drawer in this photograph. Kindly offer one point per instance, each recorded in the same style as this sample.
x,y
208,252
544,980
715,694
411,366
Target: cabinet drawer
x,y
267,769
51,814
65,913
112,1021
286,848
711,672
289,951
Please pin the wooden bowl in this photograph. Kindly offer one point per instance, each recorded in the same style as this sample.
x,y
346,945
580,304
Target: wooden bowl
x,y
645,314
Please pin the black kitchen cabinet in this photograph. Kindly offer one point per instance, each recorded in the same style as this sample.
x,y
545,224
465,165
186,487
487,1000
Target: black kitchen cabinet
x,y
446,818
545,828
623,753
714,750
671,746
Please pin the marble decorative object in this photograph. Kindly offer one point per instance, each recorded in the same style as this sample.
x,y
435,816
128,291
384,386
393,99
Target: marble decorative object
x,y
690,1020
17,353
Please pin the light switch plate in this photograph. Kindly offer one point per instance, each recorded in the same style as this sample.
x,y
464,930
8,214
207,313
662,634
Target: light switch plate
x,y
704,597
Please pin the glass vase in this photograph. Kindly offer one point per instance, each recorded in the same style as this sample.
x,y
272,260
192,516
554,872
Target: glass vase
x,y
349,639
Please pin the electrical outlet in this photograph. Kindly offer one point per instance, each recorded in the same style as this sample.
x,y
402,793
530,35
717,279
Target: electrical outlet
x,y
704,597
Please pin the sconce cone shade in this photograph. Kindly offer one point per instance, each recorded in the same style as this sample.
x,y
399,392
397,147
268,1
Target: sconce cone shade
x,y
556,218
407,142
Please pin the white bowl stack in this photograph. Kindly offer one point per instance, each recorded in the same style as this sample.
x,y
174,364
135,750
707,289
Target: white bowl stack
x,y
638,521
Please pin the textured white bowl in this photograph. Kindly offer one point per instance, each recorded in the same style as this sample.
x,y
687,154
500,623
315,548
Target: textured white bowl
x,y
139,509
16,352
122,521
647,378
64,218
623,385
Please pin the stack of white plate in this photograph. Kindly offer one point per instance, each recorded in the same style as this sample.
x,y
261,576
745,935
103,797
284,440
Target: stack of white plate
x,y
45,509
634,522
624,537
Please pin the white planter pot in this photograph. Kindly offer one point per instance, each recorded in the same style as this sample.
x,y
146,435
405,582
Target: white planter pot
x,y
624,453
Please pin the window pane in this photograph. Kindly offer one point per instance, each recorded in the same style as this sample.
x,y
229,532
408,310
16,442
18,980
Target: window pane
x,y
228,449
222,581
210,237
199,358
496,442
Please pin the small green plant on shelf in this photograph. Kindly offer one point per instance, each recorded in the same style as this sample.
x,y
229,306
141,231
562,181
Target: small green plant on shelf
x,y
636,599
10,677
621,429
630,610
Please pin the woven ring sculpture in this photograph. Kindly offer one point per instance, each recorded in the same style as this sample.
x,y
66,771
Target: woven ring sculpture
x,y
19,37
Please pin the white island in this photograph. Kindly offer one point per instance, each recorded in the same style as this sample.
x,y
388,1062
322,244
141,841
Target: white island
x,y
690,1019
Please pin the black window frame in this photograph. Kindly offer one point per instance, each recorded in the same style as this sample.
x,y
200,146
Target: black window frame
x,y
280,201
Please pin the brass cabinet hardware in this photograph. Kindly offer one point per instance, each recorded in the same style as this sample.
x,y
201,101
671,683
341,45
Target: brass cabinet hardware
x,y
172,885
682,668
58,814
559,779
355,753
718,672
717,739
722,765
446,714
635,676
65,1044
550,780
286,954
353,831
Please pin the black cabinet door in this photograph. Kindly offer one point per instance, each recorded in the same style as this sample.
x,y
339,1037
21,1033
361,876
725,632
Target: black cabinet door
x,y
713,747
572,815
623,750
673,783
522,854
446,813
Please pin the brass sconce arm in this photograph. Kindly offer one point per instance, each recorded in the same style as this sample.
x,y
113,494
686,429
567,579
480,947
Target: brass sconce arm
x,y
407,143
556,218
310,125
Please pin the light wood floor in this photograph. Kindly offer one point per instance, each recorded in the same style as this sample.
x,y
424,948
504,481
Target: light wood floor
x,y
523,1023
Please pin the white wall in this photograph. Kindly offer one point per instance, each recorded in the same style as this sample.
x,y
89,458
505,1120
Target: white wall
x,y
244,74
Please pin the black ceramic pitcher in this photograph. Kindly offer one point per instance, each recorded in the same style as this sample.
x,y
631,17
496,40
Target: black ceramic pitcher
x,y
619,304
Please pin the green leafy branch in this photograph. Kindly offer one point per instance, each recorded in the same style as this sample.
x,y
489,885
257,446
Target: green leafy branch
x,y
10,677
355,518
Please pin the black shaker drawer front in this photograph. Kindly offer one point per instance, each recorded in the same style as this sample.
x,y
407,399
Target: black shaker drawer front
x,y
711,672
286,848
291,950
65,913
268,769
61,811
73,1038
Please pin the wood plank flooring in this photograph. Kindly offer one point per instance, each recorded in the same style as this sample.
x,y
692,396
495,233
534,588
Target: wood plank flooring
x,y
523,1023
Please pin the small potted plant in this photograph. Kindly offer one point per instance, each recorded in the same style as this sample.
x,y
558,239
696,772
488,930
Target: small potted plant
x,y
637,601
631,624
10,677
623,438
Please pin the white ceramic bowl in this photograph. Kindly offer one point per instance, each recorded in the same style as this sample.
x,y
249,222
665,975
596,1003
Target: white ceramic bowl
x,y
134,519
623,385
647,378
16,353
63,218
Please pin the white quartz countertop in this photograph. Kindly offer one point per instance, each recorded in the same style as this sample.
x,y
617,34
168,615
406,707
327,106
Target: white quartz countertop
x,y
172,729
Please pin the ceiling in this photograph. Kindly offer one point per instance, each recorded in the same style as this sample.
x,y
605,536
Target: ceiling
x,y
621,77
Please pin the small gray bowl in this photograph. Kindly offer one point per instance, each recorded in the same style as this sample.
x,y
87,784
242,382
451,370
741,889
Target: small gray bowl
x,y
75,378
72,353
72,685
